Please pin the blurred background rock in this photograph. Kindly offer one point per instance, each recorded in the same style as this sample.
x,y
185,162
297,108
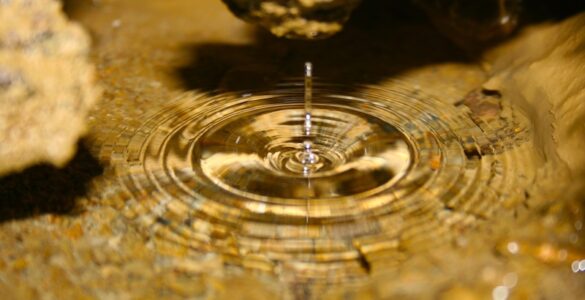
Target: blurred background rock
x,y
46,84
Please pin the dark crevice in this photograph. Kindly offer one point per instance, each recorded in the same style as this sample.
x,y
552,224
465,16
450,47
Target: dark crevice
x,y
491,93
364,263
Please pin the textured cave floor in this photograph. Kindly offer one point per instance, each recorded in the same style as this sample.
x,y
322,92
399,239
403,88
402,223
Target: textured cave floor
x,y
65,233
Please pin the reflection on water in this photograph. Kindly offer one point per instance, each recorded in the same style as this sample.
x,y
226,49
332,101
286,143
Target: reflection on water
x,y
393,172
264,153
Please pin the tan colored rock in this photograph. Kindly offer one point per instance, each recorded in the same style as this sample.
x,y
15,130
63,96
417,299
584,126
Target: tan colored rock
x,y
46,84
542,71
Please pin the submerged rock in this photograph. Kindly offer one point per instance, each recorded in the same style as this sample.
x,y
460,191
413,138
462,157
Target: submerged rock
x,y
46,84
307,19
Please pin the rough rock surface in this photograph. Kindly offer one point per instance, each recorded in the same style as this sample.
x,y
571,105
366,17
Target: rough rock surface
x,y
46,84
543,69
297,18
476,21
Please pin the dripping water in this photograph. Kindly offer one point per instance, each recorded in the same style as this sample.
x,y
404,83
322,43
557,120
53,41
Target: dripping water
x,y
309,156
308,96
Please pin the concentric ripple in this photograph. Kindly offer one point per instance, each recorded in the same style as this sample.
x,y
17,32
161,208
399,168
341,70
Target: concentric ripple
x,y
263,154
385,173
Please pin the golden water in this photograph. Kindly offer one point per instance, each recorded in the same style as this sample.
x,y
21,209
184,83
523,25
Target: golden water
x,y
378,174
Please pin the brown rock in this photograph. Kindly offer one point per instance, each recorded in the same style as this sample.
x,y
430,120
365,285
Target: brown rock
x,y
46,84
473,21
306,19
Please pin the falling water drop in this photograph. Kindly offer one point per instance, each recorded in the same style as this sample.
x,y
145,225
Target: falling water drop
x,y
308,96
308,157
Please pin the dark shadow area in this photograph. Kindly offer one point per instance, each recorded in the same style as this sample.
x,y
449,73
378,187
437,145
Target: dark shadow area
x,y
536,11
46,189
72,7
382,39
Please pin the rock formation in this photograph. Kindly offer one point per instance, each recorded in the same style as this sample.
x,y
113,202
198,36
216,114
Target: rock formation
x,y
307,19
46,84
